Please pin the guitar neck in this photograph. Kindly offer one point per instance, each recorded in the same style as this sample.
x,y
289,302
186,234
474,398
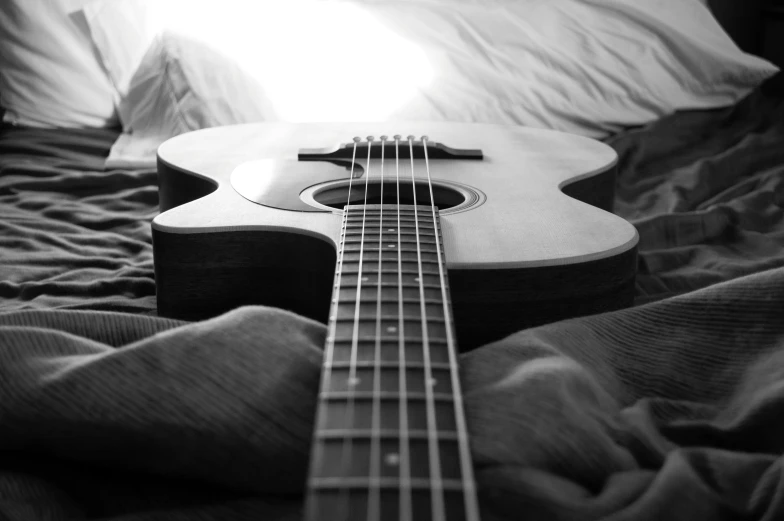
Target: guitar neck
x,y
390,441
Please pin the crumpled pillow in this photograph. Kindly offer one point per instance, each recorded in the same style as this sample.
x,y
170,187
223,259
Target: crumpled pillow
x,y
587,67
50,75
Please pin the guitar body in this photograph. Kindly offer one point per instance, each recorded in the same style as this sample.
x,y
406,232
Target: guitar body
x,y
528,234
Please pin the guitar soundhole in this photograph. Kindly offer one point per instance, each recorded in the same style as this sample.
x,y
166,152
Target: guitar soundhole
x,y
452,196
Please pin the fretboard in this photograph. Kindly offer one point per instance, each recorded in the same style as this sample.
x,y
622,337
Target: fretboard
x,y
390,440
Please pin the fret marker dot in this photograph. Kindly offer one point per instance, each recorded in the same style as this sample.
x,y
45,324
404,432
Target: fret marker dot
x,y
365,279
391,329
392,459
391,230
432,382
417,279
352,382
390,246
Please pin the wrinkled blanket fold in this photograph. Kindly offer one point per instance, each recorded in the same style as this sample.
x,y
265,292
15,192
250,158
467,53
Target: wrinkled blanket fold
x,y
705,190
671,410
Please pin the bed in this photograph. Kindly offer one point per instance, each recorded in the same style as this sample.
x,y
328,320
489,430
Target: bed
x,y
670,409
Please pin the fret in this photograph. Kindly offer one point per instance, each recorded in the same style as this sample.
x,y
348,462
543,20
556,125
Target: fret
x,y
389,268
372,246
404,231
376,208
409,241
390,241
383,395
393,299
390,221
390,228
354,210
330,452
366,339
384,433
391,364
356,415
391,318
369,213
369,210
388,280
388,217
388,309
383,483
364,378
329,496
390,262
389,255
409,280
412,329
389,290
390,351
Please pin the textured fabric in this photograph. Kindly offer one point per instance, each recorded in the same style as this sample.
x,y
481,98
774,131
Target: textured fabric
x,y
50,75
705,190
587,67
666,411
73,235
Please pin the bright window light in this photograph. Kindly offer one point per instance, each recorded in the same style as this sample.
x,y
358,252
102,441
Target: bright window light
x,y
315,60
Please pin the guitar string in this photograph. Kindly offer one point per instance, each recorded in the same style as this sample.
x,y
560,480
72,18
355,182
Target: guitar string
x,y
405,461
469,484
466,468
330,351
374,509
436,483
356,140
353,381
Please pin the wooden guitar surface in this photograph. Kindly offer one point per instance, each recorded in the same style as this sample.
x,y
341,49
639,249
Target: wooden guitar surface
x,y
522,252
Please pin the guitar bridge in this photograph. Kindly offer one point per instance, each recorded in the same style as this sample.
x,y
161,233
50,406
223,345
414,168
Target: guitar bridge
x,y
346,151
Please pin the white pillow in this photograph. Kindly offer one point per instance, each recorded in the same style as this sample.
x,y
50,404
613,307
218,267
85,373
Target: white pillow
x,y
49,73
590,67
122,32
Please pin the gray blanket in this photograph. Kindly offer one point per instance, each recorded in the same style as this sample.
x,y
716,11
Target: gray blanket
x,y
671,410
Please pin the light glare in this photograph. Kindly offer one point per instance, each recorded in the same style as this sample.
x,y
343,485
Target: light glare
x,y
315,60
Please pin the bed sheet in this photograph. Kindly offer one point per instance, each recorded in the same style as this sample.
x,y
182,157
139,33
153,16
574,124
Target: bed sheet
x,y
705,190
668,410
73,235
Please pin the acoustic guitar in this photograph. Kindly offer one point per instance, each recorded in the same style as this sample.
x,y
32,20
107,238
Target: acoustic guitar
x,y
406,240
